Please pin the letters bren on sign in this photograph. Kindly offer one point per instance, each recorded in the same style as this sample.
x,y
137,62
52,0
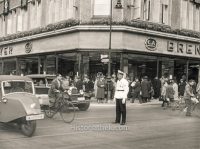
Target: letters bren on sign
x,y
184,48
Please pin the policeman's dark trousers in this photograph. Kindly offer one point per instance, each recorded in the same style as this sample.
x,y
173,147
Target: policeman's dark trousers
x,y
120,111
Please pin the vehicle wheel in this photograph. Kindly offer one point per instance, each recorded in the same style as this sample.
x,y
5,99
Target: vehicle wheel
x,y
67,112
28,127
84,106
49,112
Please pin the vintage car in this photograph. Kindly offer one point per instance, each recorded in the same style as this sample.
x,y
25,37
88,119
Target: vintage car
x,y
42,83
18,103
79,99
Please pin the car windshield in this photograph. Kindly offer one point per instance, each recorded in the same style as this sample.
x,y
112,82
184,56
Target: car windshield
x,y
39,81
17,86
49,80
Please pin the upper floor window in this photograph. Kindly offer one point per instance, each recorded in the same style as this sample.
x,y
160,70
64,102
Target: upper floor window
x,y
135,7
102,7
147,9
189,15
165,12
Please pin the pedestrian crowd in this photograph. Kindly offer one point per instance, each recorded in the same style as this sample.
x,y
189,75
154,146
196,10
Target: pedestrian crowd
x,y
120,88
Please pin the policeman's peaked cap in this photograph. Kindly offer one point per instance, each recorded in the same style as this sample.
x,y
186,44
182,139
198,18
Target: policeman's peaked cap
x,y
120,72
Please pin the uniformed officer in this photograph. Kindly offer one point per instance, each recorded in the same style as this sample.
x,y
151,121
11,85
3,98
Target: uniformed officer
x,y
120,97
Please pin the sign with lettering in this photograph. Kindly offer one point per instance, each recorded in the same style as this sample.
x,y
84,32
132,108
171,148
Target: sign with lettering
x,y
6,51
151,44
183,48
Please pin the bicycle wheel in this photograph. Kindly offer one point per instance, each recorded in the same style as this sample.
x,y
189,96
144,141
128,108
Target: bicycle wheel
x,y
67,112
49,112
182,107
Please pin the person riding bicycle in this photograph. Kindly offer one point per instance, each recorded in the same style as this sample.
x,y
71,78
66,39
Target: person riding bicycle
x,y
54,91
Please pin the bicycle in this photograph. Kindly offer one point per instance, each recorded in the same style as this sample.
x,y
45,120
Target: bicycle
x,y
179,104
63,106
196,108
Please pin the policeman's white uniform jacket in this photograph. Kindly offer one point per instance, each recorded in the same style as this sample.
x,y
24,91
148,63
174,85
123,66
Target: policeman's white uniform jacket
x,y
122,89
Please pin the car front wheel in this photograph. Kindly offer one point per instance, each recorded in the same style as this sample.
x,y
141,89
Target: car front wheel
x,y
28,127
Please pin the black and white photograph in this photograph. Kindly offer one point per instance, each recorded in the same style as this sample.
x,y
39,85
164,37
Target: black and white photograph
x,y
100,74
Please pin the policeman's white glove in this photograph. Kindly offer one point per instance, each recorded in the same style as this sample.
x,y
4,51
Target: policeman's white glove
x,y
123,100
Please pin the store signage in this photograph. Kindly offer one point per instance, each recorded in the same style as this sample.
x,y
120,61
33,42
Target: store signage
x,y
104,58
28,47
183,48
151,44
5,51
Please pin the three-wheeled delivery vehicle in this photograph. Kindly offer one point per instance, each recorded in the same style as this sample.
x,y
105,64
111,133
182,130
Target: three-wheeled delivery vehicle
x,y
18,103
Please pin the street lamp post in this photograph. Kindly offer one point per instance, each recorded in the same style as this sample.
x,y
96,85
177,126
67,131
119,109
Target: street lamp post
x,y
109,52
110,38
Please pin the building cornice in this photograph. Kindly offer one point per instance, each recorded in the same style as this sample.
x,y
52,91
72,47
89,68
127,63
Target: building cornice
x,y
97,28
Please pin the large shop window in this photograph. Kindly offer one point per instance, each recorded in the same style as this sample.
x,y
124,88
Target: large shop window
x,y
180,68
28,65
66,64
102,7
9,67
142,65
51,64
98,64
193,70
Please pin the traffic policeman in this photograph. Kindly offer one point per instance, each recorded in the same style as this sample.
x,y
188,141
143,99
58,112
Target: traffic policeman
x,y
120,97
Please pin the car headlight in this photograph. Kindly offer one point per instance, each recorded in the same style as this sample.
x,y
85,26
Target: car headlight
x,y
33,105
81,92
69,92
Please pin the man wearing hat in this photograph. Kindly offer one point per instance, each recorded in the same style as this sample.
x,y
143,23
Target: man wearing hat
x,y
120,97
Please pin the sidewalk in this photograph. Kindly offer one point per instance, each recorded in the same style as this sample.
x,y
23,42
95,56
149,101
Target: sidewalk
x,y
112,103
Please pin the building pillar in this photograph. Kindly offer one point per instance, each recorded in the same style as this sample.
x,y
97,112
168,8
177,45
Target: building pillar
x,y
85,64
18,70
56,64
125,63
39,64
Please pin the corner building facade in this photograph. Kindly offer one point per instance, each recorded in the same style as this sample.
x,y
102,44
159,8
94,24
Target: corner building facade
x,y
71,37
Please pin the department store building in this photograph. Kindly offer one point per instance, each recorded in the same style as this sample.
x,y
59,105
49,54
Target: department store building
x,y
71,37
